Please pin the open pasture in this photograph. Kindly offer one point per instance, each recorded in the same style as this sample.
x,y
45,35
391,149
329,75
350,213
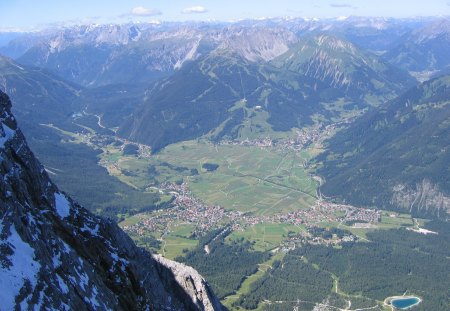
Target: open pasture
x,y
263,181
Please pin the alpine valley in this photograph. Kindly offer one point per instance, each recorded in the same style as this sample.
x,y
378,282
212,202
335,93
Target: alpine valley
x,y
295,164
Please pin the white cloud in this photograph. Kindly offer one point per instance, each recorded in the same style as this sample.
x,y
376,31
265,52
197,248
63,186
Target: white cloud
x,y
194,10
341,5
141,11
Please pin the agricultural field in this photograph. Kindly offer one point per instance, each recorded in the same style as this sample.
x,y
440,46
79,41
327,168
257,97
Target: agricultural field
x,y
266,236
262,181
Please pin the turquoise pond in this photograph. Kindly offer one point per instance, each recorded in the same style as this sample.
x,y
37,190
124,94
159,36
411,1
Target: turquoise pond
x,y
404,303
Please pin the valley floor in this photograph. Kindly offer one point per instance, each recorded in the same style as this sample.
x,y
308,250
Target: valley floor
x,y
263,192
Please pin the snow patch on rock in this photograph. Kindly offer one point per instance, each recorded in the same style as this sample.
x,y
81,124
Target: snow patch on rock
x,y
62,205
93,232
22,270
62,285
8,134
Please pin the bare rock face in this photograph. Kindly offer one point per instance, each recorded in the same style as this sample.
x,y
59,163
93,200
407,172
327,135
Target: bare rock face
x,y
54,254
425,197
191,281
257,44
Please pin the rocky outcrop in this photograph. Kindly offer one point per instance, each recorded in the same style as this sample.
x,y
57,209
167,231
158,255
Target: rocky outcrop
x,y
189,279
425,197
257,44
56,255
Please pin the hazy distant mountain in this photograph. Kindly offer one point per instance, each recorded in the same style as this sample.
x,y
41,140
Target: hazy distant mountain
x,y
256,43
14,45
7,37
100,55
396,156
424,49
372,33
93,55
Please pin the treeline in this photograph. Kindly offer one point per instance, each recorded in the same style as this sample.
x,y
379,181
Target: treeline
x,y
75,170
158,173
328,232
130,149
210,167
226,265
148,242
289,280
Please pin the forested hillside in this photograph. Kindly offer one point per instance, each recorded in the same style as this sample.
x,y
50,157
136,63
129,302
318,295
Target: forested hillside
x,y
396,156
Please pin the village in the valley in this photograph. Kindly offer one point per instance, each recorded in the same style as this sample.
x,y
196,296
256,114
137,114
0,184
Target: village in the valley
x,y
187,209
190,210
302,139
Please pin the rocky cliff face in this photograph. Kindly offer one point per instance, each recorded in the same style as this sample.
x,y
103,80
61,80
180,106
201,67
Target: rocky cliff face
x,y
56,255
424,197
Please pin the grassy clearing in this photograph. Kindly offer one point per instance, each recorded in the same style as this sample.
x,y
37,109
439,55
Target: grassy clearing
x,y
131,220
173,246
177,241
265,236
249,280
388,222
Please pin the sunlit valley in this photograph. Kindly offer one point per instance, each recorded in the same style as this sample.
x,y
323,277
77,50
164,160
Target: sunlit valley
x,y
296,164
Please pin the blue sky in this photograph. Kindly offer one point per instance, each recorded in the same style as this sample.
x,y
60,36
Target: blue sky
x,y
29,14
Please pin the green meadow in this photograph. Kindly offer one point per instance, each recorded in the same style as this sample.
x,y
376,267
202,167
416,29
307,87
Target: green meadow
x,y
263,181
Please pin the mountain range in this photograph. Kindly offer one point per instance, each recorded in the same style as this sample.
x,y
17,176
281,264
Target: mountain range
x,y
220,92
163,83
424,49
94,55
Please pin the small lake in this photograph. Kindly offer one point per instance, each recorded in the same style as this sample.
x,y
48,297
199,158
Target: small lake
x,y
404,303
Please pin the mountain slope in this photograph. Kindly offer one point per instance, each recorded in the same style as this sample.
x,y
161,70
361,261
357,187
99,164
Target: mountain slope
x,y
57,255
396,157
425,49
221,95
117,54
225,94
256,44
40,96
44,102
342,65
